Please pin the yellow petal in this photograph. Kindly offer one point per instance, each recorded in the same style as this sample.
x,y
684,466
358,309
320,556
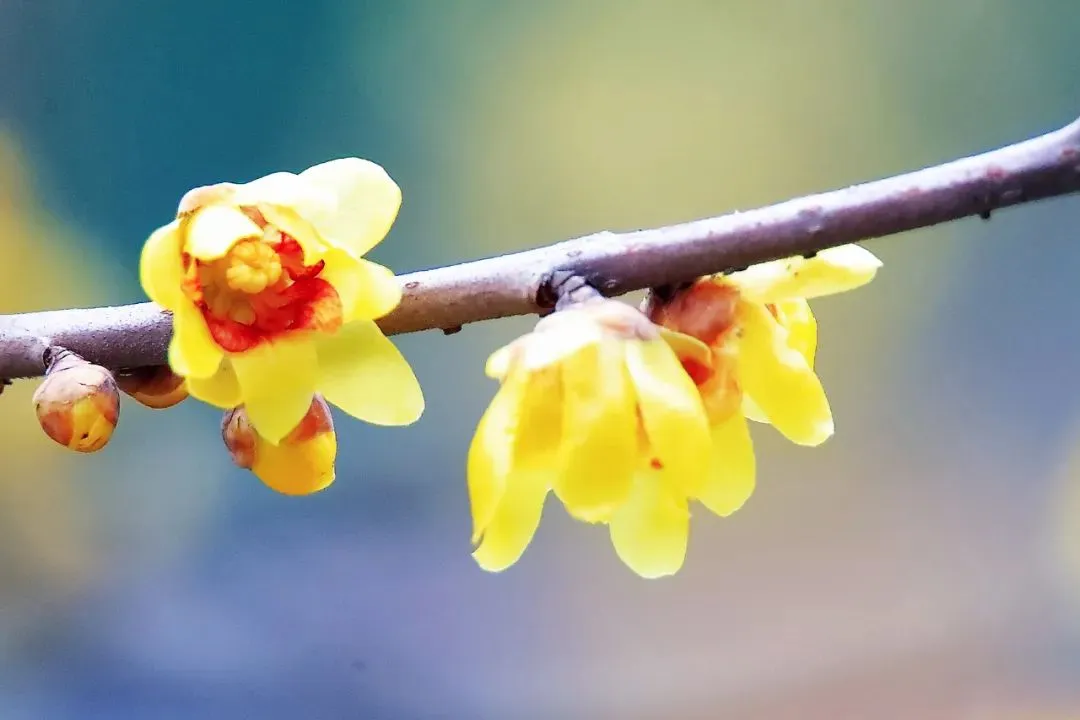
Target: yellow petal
x,y
492,450
731,481
161,270
514,523
751,411
518,445
192,351
285,190
365,375
831,271
558,336
299,228
368,291
598,452
220,389
687,347
778,378
650,531
498,363
212,231
367,202
672,413
798,319
297,469
277,380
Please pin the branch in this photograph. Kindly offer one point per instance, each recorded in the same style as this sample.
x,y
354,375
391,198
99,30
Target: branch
x,y
520,283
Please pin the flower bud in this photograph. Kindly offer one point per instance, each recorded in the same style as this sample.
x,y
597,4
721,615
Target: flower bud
x,y
301,464
239,437
77,403
156,387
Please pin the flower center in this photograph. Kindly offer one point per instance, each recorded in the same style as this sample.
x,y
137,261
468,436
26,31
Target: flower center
x,y
251,266
261,289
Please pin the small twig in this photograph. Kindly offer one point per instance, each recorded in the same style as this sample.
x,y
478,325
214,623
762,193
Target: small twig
x,y
615,263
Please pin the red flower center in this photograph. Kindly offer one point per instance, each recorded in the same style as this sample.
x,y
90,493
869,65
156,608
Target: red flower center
x,y
260,290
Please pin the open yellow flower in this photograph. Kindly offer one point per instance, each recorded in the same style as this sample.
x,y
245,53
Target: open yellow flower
x,y
595,405
763,336
272,301
301,464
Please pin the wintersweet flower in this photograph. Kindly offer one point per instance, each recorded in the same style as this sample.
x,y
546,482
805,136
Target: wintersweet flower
x,y
595,405
272,301
763,335
301,464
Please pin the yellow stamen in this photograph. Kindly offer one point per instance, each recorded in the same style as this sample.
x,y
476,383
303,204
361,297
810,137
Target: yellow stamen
x,y
252,266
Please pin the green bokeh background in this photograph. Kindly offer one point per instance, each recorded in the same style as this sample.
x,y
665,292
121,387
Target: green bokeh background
x,y
923,563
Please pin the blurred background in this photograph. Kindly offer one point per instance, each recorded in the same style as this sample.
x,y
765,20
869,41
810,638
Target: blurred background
x,y
923,563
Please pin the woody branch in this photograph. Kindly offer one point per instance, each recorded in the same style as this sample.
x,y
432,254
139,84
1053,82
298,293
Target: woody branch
x,y
615,263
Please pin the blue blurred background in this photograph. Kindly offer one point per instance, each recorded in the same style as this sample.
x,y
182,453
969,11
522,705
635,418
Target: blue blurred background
x,y
923,563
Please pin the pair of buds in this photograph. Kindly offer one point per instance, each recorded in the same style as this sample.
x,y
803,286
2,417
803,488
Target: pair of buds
x,y
78,402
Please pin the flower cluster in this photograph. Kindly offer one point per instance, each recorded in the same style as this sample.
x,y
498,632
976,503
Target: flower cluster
x,y
629,417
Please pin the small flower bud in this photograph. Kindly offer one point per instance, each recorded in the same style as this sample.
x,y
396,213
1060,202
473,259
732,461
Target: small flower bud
x,y
155,387
239,437
301,464
77,403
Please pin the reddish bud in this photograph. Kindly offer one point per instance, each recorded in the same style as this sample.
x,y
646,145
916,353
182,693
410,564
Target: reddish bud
x,y
156,387
77,404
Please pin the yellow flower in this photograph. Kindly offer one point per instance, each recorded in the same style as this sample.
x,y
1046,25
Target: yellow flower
x,y
594,405
301,464
272,301
763,336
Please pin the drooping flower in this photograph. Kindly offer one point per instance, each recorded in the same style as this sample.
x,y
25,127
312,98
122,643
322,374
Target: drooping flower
x,y
763,335
301,464
595,405
272,301
77,404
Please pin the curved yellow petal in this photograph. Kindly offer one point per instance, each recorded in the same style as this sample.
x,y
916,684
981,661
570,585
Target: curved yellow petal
x,y
731,481
367,202
514,523
831,271
558,336
491,452
365,375
299,228
778,378
161,270
498,362
751,411
368,291
672,413
797,317
283,189
650,531
687,347
212,231
277,380
297,469
220,389
598,452
342,270
192,351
